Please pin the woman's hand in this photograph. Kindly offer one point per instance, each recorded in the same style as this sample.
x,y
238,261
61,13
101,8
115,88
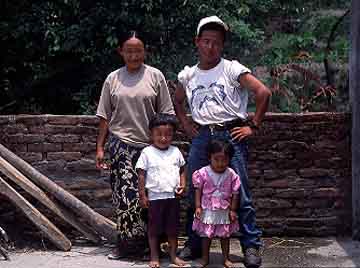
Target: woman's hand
x,y
144,201
240,133
198,212
233,216
179,191
100,163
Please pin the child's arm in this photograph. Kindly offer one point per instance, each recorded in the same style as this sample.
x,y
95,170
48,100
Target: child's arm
x,y
180,190
198,209
144,201
233,207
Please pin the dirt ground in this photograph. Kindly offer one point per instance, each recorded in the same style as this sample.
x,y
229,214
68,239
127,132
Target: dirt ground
x,y
277,252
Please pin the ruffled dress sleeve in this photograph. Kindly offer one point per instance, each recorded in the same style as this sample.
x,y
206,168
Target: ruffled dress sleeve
x,y
198,179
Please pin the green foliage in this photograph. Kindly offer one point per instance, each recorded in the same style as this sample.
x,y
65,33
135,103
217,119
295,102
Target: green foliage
x,y
56,54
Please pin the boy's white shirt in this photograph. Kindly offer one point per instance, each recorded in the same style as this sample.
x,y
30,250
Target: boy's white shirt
x,y
162,171
215,95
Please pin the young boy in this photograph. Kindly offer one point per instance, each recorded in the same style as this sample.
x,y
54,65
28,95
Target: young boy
x,y
161,180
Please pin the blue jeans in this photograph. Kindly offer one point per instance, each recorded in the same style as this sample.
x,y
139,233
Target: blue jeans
x,y
197,159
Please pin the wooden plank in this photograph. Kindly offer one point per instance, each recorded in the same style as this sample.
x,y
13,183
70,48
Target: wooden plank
x,y
101,224
354,76
13,174
40,221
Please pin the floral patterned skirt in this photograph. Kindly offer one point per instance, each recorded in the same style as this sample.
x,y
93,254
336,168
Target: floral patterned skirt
x,y
130,217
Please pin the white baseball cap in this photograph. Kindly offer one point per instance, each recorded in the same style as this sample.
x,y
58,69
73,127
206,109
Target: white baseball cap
x,y
211,19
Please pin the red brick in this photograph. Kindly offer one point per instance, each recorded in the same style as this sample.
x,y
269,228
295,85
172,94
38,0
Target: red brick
x,y
15,148
313,172
4,119
37,129
79,147
291,193
82,165
314,203
63,120
16,128
282,183
86,130
89,138
26,138
272,203
55,129
89,120
67,156
325,193
44,147
31,120
63,138
31,157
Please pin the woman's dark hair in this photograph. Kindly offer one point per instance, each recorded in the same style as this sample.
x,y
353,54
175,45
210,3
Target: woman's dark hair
x,y
217,146
163,119
130,34
212,26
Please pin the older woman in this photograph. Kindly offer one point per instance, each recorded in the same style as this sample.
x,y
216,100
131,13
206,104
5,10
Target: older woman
x,y
130,97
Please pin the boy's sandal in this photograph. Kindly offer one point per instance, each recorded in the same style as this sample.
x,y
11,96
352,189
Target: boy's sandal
x,y
154,265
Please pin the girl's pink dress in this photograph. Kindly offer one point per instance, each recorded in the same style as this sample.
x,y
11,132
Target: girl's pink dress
x,y
217,189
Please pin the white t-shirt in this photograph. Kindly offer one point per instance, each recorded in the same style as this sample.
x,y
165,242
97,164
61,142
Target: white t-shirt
x,y
215,95
162,171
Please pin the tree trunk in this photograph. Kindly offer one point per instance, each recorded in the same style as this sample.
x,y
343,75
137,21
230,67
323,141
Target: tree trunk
x,y
48,229
13,174
102,225
354,67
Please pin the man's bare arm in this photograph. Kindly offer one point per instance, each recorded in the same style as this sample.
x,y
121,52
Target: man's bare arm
x,y
262,95
179,106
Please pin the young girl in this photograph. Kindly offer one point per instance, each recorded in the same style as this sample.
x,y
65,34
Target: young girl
x,y
161,179
216,197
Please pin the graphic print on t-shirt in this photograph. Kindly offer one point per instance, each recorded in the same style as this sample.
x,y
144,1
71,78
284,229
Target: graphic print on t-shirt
x,y
209,96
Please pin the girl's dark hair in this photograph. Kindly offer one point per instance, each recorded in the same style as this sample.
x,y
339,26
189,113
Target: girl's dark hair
x,y
212,26
130,34
163,119
217,146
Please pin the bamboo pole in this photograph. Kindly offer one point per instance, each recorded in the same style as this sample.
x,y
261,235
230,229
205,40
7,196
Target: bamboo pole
x,y
48,229
101,224
13,174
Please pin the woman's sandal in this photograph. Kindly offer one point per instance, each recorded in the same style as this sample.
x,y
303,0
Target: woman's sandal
x,y
117,254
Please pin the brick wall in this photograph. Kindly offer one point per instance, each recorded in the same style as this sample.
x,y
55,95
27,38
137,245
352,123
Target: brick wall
x,y
299,166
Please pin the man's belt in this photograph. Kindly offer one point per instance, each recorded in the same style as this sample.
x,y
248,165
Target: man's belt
x,y
228,125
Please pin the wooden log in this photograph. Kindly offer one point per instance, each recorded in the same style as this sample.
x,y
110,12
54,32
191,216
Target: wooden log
x,y
101,224
40,221
4,241
13,174
4,253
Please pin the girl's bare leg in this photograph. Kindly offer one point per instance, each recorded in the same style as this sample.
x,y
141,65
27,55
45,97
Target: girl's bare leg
x,y
205,248
225,247
173,242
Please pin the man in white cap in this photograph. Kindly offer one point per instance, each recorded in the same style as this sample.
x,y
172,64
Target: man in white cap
x,y
217,93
